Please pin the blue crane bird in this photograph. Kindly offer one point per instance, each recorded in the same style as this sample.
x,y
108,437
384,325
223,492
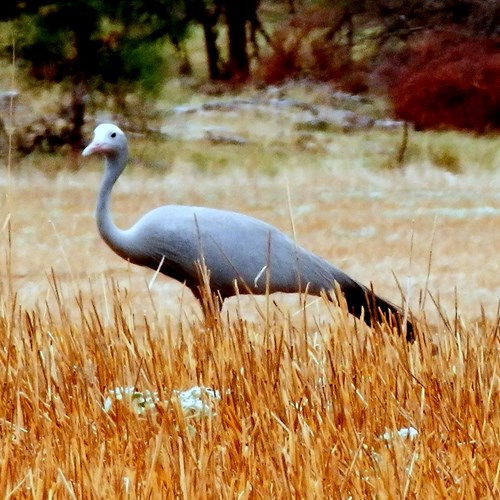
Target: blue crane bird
x,y
241,254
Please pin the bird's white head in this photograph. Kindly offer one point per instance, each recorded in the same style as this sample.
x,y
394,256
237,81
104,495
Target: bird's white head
x,y
109,140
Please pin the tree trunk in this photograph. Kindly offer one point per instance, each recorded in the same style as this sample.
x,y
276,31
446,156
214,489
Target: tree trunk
x,y
210,33
78,93
236,19
82,62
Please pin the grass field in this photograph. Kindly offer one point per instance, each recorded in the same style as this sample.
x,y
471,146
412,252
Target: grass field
x,y
310,401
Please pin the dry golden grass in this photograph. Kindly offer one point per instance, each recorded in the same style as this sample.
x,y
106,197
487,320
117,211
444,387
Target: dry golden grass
x,y
307,393
302,411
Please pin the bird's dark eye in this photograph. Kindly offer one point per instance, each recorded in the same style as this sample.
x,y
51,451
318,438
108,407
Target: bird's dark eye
x,y
113,135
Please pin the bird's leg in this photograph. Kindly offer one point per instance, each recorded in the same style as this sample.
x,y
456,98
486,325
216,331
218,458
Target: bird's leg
x,y
212,307
210,302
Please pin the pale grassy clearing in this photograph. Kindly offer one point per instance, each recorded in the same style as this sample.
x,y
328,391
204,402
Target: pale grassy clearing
x,y
306,392
373,222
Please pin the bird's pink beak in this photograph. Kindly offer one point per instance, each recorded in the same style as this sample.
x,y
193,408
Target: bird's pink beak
x,y
90,149
94,147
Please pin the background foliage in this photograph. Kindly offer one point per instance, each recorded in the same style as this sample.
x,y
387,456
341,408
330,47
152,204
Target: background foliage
x,y
121,48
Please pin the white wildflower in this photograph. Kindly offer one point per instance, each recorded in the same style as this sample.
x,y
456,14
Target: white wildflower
x,y
403,433
139,401
197,399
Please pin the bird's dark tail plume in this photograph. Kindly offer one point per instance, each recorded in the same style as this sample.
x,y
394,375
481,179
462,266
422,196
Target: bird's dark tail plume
x,y
363,303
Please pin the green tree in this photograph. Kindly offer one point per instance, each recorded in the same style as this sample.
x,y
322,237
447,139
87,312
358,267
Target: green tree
x,y
95,45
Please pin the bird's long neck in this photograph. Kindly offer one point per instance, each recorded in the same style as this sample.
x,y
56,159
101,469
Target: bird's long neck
x,y
112,235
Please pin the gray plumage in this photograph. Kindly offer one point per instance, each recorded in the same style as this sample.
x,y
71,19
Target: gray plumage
x,y
242,254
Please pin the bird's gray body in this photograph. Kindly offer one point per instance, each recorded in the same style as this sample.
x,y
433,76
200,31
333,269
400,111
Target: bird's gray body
x,y
241,254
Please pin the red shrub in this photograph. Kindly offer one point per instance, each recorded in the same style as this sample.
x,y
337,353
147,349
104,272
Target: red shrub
x,y
313,44
284,61
450,81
